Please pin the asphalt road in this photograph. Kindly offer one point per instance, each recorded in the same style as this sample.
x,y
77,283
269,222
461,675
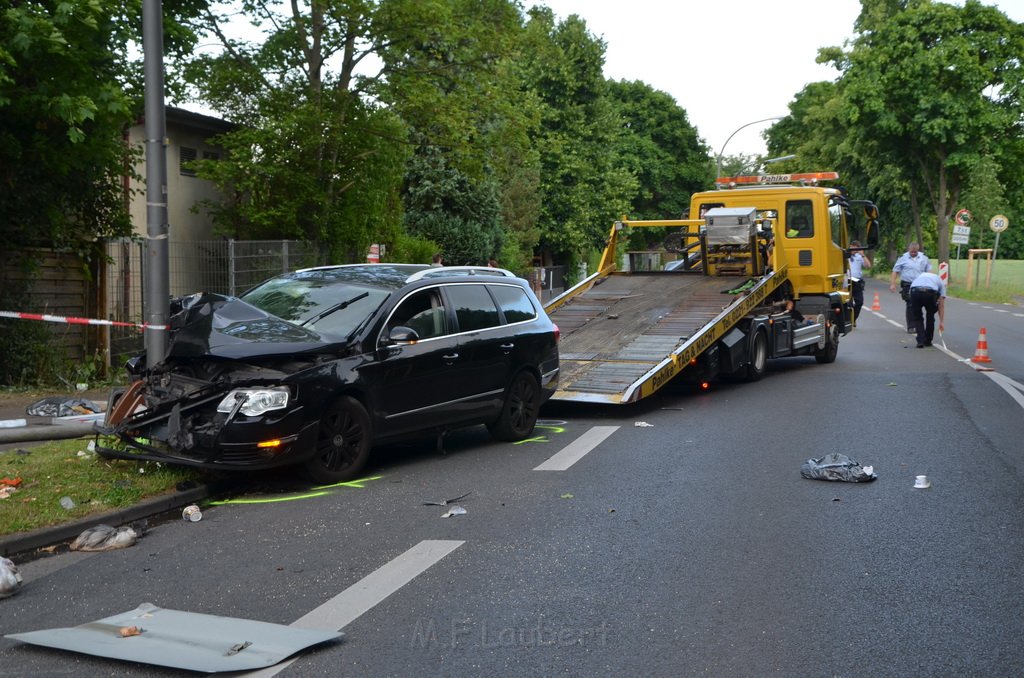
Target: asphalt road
x,y
682,540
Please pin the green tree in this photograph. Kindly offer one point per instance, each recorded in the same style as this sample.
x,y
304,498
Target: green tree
x,y
327,101
661,149
447,207
929,90
63,112
583,188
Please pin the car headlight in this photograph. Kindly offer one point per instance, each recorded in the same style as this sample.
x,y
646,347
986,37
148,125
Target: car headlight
x,y
257,400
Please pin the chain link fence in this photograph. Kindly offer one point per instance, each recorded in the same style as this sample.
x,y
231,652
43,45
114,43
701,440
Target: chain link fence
x,y
221,266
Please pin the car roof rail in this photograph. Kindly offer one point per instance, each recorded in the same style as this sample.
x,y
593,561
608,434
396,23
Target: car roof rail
x,y
445,271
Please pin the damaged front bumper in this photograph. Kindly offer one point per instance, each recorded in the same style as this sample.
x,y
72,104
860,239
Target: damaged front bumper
x,y
177,422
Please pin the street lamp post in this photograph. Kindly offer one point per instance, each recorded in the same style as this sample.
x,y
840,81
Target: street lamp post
x,y
718,159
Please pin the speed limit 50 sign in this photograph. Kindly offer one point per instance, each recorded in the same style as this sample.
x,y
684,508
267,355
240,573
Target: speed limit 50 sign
x,y
998,223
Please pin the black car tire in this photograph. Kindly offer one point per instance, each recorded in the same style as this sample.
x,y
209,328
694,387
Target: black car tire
x,y
519,411
343,442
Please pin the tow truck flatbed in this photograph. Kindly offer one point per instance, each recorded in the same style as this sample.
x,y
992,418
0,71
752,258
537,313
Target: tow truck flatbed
x,y
628,335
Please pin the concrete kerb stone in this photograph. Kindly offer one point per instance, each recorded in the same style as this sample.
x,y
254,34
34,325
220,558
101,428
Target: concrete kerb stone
x,y
23,542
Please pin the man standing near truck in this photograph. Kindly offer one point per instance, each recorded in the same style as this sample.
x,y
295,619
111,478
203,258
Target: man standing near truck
x,y
911,264
858,262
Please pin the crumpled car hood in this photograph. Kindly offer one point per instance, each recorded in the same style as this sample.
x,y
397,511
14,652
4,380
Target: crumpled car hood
x,y
208,324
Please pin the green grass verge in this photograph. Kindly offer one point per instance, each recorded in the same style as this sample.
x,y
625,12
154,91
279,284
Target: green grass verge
x,y
1006,283
56,469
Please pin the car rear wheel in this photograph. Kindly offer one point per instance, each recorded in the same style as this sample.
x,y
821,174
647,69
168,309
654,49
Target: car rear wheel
x,y
519,412
343,443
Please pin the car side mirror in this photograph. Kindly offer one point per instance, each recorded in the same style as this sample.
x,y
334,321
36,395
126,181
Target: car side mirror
x,y
871,226
402,335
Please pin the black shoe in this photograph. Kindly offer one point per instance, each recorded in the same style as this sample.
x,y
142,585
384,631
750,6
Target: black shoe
x,y
920,345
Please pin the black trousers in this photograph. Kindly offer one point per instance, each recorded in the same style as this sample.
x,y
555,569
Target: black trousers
x,y
924,303
905,293
858,297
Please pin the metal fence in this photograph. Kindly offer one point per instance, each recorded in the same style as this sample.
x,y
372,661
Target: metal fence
x,y
221,266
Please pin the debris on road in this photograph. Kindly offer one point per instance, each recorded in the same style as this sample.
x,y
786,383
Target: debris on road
x,y
192,514
642,424
106,538
454,511
446,502
214,643
838,467
567,495
60,406
10,482
10,578
922,483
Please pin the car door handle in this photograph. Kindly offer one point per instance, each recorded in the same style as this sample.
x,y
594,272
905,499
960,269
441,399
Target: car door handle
x,y
451,356
507,347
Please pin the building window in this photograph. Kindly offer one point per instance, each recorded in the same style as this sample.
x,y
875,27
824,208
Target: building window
x,y
186,158
211,155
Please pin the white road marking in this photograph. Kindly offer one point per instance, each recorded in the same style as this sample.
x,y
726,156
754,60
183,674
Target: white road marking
x,y
1014,388
577,449
889,320
365,594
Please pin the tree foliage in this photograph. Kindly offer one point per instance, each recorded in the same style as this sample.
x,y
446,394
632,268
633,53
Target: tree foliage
x,y
63,111
928,91
447,207
582,186
660,148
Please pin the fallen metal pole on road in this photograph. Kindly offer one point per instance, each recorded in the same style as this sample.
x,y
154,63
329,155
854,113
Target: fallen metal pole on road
x,y
25,434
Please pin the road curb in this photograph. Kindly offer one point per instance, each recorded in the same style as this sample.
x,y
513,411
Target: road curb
x,y
22,542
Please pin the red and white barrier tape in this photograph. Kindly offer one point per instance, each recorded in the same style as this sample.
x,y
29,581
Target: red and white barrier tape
x,y
76,321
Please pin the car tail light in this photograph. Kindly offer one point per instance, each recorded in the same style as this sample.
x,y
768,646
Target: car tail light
x,y
558,333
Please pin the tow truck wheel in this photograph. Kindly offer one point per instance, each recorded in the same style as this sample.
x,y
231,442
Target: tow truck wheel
x,y
828,354
758,357
343,442
519,412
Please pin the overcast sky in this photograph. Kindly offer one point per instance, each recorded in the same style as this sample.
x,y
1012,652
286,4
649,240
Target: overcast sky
x,y
726,62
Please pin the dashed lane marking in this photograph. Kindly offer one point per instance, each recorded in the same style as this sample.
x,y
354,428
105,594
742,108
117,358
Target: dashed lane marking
x,y
577,449
368,592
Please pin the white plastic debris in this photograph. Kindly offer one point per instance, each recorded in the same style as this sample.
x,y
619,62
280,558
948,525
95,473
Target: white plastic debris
x,y
642,424
922,483
454,511
10,578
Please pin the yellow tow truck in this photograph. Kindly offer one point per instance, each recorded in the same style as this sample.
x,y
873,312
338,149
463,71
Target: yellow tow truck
x,y
761,272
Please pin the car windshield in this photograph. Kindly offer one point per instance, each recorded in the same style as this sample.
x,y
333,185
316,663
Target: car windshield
x,y
329,308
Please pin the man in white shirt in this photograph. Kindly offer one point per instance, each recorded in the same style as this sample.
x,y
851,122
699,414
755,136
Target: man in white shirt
x,y
911,264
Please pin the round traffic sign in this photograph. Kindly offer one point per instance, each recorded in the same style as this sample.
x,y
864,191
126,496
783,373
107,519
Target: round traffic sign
x,y
998,223
963,217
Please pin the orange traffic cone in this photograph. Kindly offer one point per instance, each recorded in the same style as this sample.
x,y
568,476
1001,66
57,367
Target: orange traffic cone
x,y
876,305
981,353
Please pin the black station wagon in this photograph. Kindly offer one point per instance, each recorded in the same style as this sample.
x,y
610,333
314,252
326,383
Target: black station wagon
x,y
315,367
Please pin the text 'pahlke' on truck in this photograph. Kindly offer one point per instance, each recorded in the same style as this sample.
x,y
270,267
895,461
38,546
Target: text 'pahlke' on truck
x,y
762,273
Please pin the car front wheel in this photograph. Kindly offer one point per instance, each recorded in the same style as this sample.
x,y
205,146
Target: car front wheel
x,y
343,442
519,412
